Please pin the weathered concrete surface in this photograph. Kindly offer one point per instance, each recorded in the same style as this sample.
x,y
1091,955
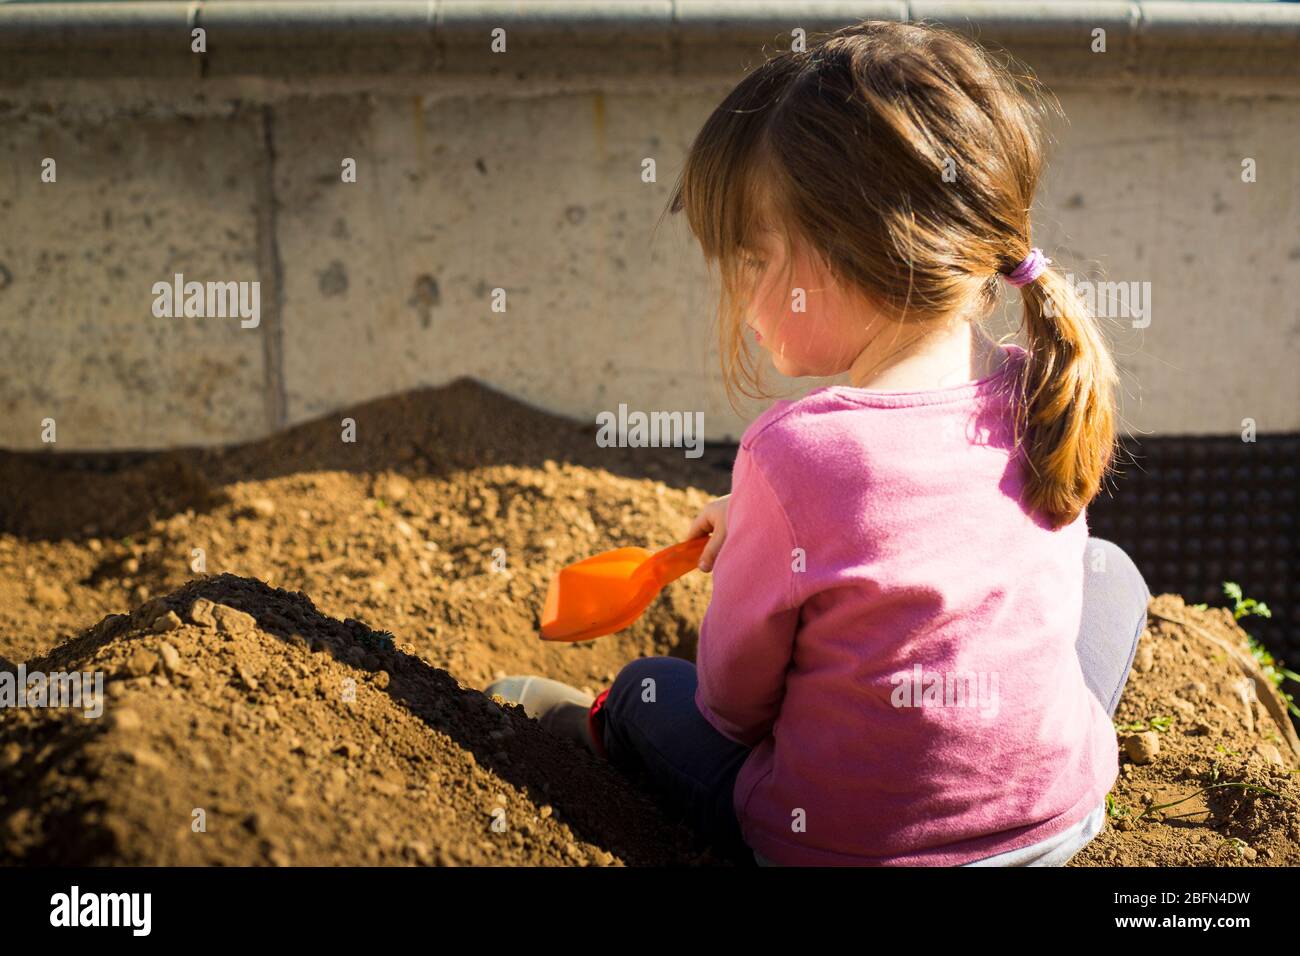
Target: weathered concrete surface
x,y
1149,189
547,204
390,283
387,282
134,202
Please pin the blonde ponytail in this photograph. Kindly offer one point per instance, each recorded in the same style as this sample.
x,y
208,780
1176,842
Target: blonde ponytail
x,y
1067,413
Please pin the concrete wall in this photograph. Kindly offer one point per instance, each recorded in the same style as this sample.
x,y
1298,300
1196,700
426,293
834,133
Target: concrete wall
x,y
470,183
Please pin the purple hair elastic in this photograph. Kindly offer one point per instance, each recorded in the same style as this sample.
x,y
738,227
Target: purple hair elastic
x,y
1029,270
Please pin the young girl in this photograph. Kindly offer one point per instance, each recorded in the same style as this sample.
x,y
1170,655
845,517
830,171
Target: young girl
x,y
913,650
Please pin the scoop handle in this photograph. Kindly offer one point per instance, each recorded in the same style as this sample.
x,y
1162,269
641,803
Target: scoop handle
x,y
677,559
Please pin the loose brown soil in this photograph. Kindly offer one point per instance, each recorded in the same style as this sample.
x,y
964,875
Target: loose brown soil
x,y
1219,787
439,526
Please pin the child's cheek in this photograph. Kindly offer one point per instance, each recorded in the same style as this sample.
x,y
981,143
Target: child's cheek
x,y
806,346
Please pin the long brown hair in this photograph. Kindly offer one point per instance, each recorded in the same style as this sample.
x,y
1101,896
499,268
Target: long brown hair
x,y
841,151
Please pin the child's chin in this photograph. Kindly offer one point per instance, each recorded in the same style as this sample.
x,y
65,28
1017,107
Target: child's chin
x,y
787,368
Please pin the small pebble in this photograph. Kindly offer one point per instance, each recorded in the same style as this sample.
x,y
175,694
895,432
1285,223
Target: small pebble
x,y
164,623
1142,748
141,662
171,657
260,508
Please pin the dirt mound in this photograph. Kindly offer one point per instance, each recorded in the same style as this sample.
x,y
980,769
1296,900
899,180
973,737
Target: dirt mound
x,y
449,538
242,726
1208,753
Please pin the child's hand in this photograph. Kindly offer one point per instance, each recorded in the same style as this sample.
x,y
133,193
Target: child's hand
x,y
712,520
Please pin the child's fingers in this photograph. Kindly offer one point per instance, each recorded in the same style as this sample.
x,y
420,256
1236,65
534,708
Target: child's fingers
x,y
710,552
702,525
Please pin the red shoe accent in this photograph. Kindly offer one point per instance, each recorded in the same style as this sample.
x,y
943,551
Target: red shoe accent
x,y
596,727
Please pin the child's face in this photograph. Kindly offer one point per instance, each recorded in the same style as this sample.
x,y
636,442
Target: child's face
x,y
827,333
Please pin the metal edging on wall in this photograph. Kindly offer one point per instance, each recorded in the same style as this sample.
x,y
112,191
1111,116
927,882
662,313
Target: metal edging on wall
x,y
1230,39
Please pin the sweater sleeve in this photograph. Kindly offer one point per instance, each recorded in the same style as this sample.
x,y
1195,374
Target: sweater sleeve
x,y
747,635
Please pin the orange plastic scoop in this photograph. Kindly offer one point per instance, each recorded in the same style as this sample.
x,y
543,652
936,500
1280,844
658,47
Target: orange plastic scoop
x,y
606,593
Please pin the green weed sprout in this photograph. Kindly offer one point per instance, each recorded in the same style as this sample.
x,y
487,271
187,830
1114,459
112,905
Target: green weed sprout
x,y
1242,605
1161,724
1115,810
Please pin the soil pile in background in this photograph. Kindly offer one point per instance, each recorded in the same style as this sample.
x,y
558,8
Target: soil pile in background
x,y
241,726
442,524
1208,753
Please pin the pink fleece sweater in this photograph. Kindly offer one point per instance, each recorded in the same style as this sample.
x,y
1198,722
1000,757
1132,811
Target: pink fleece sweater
x,y
894,635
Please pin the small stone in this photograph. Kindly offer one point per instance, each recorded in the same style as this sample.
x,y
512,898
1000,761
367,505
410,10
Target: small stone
x,y
131,566
141,662
164,623
1269,754
125,719
171,657
201,613
140,594
392,488
1142,748
260,508
1144,659
544,811
10,756
232,621
146,758
19,821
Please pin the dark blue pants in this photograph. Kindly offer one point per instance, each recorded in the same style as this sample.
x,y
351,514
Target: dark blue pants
x,y
694,767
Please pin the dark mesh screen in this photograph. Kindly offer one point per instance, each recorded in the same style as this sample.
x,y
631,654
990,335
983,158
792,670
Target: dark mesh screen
x,y
1195,512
